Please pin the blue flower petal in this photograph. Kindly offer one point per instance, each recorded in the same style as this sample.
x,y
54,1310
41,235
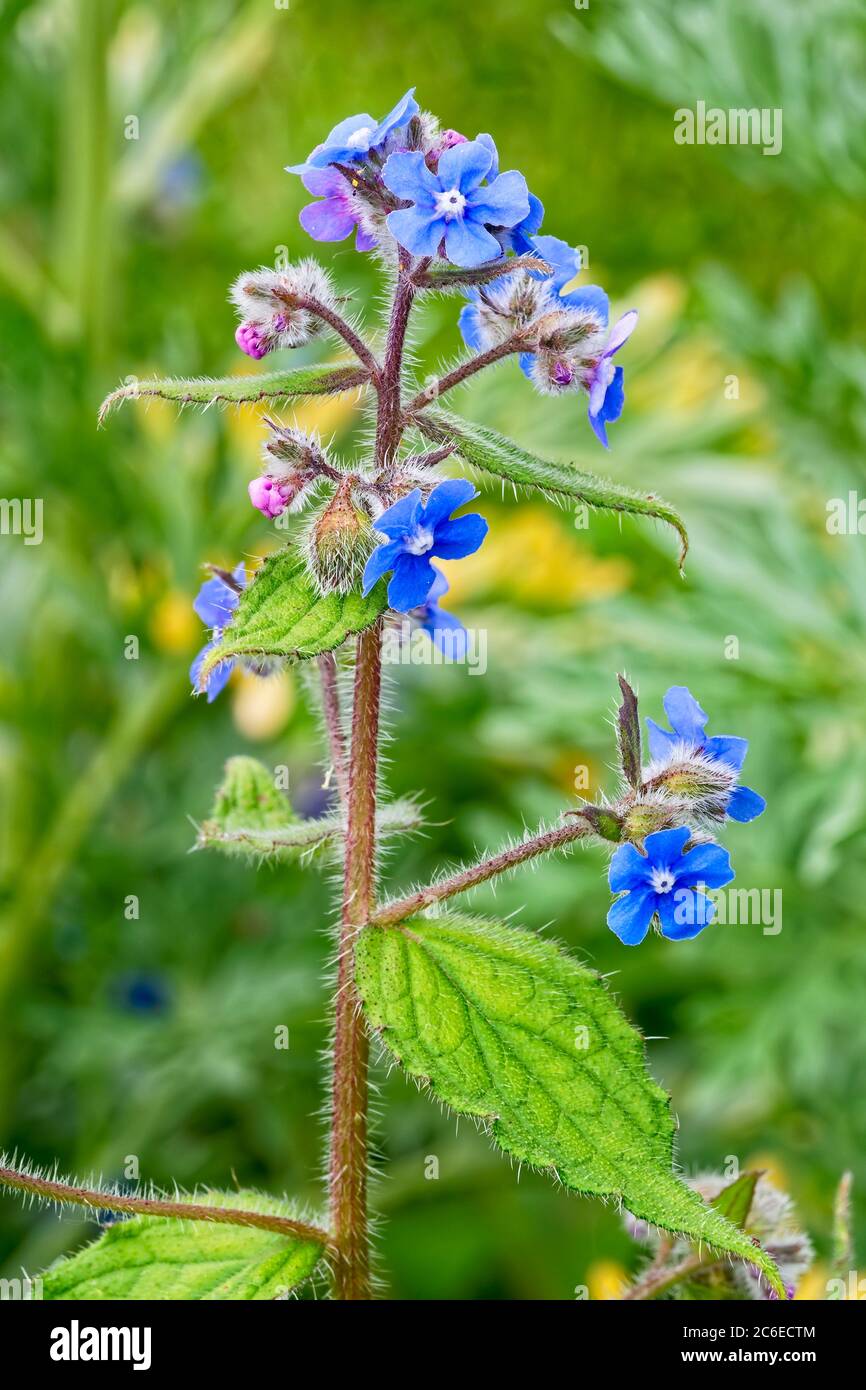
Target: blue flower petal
x,y
664,847
727,749
745,805
446,498
467,243
564,259
460,537
526,360
661,741
628,869
464,166
469,323
488,142
630,915
591,298
218,677
417,231
397,521
706,864
407,175
683,914
502,203
598,425
215,601
685,715
413,579
380,562
614,398
446,631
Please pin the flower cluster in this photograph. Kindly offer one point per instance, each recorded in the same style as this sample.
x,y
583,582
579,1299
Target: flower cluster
x,y
403,183
663,865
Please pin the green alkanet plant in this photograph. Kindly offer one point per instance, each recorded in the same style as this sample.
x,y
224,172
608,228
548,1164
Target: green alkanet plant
x,y
494,1021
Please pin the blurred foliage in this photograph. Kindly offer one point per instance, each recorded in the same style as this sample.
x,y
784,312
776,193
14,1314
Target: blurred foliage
x,y
152,1035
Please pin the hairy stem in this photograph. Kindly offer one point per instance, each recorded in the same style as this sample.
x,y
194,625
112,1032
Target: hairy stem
x,y
55,1191
334,723
345,331
348,1156
511,858
462,372
389,425
659,1278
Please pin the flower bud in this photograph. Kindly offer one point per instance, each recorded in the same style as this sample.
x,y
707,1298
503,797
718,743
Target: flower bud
x,y
340,541
270,495
656,811
270,303
705,784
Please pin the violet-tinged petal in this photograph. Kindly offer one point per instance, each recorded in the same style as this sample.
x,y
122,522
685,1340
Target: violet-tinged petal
x,y
327,221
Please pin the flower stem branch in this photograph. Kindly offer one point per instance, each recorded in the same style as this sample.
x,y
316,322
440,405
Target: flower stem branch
x,y
546,841
658,1279
54,1191
480,275
389,424
348,1155
343,329
462,372
327,663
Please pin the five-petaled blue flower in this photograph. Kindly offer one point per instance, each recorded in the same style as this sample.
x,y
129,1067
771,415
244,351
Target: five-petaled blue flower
x,y
454,204
663,883
444,629
214,604
688,722
355,137
416,532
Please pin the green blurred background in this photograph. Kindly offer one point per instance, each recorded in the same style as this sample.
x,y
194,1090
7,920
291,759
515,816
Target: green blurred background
x,y
154,1037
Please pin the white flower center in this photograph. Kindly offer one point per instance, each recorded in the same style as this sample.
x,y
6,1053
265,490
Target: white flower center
x,y
450,204
361,138
662,880
420,542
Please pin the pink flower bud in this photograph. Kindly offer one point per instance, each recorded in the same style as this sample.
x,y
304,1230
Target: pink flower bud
x,y
449,138
252,341
268,496
563,375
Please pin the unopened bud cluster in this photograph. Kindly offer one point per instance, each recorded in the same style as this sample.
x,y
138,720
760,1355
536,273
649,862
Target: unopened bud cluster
x,y
271,305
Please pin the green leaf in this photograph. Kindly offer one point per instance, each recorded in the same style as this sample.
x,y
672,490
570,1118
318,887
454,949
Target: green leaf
x,y
735,1200
508,1028
281,613
303,838
486,449
155,1257
239,390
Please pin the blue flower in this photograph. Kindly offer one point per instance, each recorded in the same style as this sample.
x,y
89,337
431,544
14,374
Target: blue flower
x,y
215,602
518,238
355,137
415,533
336,214
662,882
454,204
444,629
688,722
604,381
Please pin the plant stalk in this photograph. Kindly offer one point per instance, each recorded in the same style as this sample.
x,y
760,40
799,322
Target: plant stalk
x,y
543,843
348,1156
53,1191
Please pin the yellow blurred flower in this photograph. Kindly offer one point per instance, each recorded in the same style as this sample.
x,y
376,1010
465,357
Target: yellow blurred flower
x,y
812,1288
529,556
262,705
606,1280
173,626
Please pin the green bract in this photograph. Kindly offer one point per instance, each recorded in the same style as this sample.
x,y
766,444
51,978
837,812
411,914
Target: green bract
x,y
281,613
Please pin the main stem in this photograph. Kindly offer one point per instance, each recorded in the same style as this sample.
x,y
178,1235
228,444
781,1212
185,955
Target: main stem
x,y
348,1158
